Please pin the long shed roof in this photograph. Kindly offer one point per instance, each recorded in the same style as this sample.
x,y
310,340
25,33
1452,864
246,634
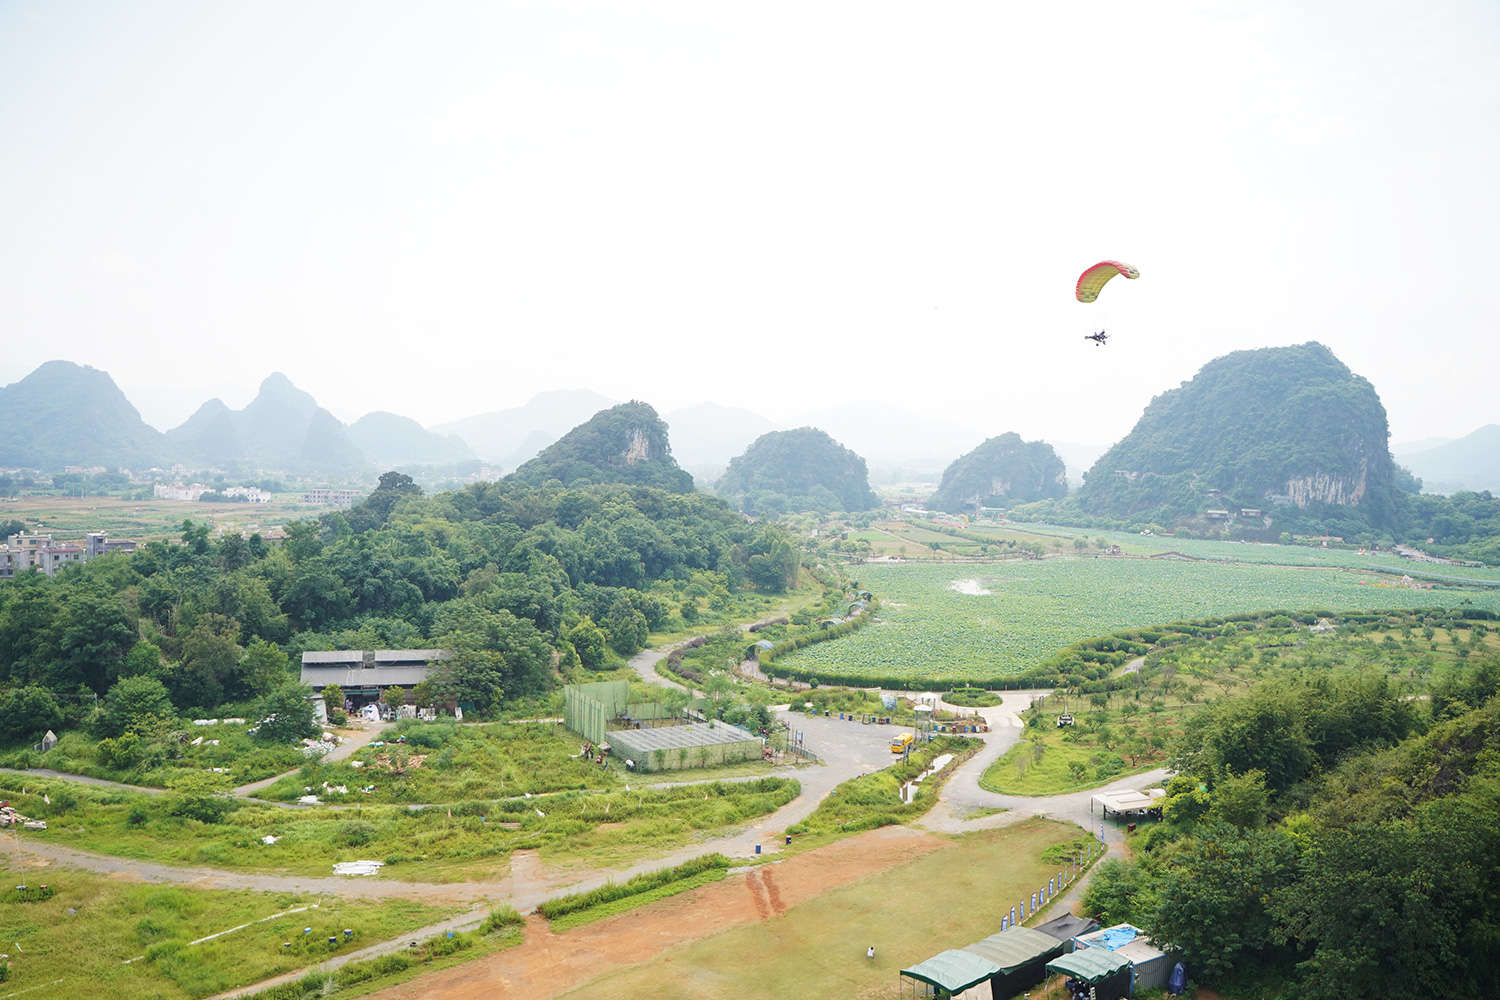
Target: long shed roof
x,y
696,734
1015,947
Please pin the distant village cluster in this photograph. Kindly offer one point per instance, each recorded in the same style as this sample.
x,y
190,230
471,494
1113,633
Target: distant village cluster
x,y
25,550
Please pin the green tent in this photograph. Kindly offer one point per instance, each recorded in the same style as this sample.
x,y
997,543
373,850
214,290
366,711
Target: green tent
x,y
953,970
1099,967
1016,948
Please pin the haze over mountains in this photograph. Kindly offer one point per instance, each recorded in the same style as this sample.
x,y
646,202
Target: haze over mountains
x,y
67,414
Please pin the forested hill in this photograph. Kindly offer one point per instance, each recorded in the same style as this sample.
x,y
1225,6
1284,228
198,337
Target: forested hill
x,y
623,444
523,582
1002,470
802,469
1280,427
67,414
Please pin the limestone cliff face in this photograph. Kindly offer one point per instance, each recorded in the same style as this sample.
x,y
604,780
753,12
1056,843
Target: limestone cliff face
x,y
1282,425
637,447
1322,488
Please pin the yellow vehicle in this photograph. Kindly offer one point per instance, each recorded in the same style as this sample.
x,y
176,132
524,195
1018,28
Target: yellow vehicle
x,y
900,743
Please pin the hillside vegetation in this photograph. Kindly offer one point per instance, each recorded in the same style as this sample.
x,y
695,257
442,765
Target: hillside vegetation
x,y
1328,837
623,444
1002,471
1289,426
64,413
525,584
797,470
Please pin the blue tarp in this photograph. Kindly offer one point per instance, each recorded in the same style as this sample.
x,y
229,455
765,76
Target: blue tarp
x,y
1115,938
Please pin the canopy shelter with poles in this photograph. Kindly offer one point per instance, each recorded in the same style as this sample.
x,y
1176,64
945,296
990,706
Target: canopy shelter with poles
x,y
1106,972
1125,801
947,975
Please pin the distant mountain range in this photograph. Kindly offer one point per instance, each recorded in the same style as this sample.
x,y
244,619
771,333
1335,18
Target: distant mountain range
x,y
511,437
1470,463
281,428
67,414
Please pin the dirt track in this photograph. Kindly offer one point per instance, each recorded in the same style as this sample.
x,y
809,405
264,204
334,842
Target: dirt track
x,y
548,964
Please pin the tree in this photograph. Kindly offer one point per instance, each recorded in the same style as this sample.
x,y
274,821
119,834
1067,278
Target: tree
x,y
1241,800
210,659
144,660
130,704
1120,891
27,713
286,715
96,635
471,676
589,641
1213,902
265,668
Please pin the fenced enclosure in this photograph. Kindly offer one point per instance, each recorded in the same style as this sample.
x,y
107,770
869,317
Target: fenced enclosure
x,y
675,748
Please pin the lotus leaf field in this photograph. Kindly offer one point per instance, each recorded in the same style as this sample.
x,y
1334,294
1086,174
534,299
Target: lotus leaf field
x,y
951,622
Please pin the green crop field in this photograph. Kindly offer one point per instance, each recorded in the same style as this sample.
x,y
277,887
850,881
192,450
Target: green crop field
x,y
951,622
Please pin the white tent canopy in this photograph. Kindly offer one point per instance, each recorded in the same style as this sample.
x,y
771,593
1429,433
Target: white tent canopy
x,y
1126,800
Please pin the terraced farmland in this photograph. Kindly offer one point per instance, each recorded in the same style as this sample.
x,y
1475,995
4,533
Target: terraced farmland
x,y
955,621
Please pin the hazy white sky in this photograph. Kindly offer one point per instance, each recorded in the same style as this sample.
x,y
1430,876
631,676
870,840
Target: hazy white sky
x,y
441,209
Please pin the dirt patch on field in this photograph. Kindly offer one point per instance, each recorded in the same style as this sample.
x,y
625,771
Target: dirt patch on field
x,y
548,964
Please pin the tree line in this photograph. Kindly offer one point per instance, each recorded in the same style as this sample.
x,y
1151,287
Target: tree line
x,y
521,581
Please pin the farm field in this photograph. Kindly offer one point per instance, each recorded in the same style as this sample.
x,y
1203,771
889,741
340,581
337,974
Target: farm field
x,y
955,621
146,520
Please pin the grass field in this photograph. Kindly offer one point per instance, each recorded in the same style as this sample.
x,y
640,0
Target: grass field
x,y
954,621
465,842
948,898
85,952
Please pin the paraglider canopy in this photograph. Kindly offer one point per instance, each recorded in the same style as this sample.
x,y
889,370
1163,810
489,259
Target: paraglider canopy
x,y
1092,280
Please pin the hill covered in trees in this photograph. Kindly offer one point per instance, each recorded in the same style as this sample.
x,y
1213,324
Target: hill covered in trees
x,y
1288,429
623,444
1003,470
797,470
1326,835
67,414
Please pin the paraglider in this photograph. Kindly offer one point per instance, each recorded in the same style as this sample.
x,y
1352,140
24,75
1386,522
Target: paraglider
x,y
1092,281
